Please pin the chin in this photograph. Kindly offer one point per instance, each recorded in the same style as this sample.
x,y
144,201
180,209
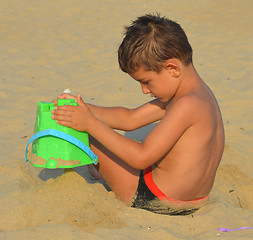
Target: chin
x,y
163,100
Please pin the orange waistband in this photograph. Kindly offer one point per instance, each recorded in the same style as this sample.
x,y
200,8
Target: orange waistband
x,y
160,195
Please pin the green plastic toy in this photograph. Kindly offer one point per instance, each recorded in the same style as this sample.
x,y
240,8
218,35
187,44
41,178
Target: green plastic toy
x,y
56,146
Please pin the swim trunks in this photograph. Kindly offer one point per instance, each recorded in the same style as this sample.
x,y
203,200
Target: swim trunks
x,y
151,198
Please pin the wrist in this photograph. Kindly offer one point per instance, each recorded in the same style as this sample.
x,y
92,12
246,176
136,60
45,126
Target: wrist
x,y
93,122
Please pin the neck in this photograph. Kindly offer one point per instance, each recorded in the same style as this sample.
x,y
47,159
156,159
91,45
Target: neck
x,y
189,79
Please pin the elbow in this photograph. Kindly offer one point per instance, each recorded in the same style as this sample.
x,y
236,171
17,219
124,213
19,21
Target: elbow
x,y
139,156
130,128
141,163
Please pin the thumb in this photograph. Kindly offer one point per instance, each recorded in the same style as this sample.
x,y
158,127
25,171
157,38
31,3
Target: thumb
x,y
80,100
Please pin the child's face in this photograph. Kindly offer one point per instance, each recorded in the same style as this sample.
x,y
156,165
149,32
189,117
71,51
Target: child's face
x,y
159,85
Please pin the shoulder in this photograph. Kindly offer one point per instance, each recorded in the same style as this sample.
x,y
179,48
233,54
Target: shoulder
x,y
190,102
188,107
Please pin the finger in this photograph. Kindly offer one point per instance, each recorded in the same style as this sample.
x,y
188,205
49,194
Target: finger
x,y
80,100
62,113
62,118
64,123
66,96
54,102
63,96
67,108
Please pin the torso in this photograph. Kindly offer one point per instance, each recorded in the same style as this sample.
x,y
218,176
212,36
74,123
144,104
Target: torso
x,y
188,170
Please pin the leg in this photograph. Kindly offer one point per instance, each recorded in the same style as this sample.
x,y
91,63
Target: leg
x,y
94,171
120,177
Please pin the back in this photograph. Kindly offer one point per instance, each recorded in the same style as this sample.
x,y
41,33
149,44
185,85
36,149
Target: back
x,y
188,170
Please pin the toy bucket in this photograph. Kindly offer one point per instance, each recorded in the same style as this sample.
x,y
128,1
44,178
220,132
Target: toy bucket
x,y
56,146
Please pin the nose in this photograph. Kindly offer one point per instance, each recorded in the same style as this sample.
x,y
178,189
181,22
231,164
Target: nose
x,y
144,89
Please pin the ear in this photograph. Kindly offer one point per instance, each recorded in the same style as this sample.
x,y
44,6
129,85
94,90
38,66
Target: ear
x,y
173,66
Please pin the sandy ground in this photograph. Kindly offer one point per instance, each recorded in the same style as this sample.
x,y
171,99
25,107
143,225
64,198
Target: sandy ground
x,y
48,46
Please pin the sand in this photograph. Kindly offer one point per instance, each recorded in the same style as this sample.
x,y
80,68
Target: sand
x,y
48,46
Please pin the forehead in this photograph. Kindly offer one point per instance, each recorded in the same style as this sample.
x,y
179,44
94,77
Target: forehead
x,y
141,74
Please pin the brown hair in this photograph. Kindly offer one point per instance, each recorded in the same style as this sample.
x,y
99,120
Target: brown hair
x,y
151,40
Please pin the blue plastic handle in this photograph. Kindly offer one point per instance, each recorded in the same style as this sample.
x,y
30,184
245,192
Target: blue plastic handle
x,y
65,136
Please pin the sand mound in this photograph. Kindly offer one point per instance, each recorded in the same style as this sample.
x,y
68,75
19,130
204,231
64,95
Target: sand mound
x,y
65,199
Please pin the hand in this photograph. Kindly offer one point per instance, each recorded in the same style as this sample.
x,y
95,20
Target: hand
x,y
64,96
77,117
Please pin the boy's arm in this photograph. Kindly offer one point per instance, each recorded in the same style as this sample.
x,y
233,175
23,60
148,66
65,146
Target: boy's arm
x,y
129,119
179,117
126,119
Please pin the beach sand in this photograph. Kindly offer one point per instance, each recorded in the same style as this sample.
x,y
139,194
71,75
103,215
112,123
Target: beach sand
x,y
49,46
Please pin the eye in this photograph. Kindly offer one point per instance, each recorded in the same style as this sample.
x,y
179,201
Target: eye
x,y
145,82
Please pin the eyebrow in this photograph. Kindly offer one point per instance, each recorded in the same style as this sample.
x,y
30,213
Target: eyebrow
x,y
141,80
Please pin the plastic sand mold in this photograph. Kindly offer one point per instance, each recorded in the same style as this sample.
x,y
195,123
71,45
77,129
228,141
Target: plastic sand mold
x,y
229,230
56,146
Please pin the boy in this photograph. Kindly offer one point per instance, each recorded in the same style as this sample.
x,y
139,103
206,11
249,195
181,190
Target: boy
x,y
172,171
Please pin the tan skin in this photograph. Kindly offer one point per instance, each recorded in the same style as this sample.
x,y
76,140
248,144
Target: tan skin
x,y
184,149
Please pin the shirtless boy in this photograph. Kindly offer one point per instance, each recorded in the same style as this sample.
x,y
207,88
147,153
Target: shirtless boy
x,y
172,171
